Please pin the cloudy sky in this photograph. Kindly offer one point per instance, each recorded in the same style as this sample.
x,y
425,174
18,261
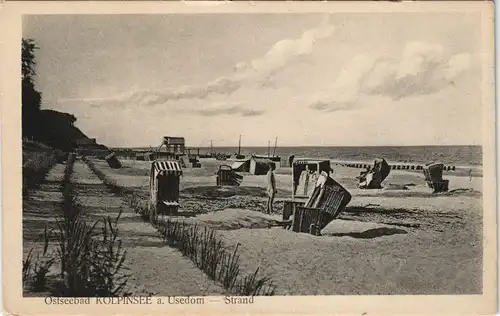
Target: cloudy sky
x,y
308,79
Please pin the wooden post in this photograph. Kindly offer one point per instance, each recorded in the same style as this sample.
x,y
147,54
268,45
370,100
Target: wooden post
x,y
275,144
239,146
300,212
312,229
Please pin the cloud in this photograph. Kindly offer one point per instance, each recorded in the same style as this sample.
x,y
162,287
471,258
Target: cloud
x,y
417,56
332,106
422,69
458,64
235,110
251,113
151,98
221,85
286,50
257,72
344,91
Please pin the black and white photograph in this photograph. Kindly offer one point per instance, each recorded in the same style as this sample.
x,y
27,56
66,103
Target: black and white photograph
x,y
242,155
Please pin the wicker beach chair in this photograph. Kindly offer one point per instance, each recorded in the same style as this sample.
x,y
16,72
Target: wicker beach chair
x,y
433,173
164,183
372,179
325,203
113,161
226,176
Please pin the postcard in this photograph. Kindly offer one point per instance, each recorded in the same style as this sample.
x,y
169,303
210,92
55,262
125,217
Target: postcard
x,y
256,158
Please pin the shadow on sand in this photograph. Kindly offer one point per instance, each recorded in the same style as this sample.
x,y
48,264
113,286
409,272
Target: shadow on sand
x,y
214,192
371,233
375,208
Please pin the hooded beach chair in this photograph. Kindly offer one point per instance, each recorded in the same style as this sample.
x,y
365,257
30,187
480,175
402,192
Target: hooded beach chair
x,y
113,161
327,200
164,183
372,178
227,176
305,172
433,173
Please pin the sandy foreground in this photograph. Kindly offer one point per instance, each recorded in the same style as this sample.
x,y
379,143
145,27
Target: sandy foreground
x,y
397,240
154,268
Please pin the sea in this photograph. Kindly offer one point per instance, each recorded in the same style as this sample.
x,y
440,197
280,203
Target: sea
x,y
451,155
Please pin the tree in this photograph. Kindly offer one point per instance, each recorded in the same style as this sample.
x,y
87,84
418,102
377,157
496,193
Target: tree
x,y
55,129
28,59
31,98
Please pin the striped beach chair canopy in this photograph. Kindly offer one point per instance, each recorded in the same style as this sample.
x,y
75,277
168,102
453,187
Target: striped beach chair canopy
x,y
170,203
301,163
309,161
434,166
168,167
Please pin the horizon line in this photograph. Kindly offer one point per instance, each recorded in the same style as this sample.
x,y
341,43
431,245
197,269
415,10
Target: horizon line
x,y
310,146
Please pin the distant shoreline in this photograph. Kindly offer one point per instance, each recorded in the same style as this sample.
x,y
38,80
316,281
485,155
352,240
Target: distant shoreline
x,y
299,146
454,155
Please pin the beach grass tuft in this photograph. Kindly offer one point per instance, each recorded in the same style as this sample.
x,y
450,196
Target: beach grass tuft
x,y
36,168
199,243
91,256
202,245
109,183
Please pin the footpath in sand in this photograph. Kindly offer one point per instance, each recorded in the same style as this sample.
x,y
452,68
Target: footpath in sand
x,y
154,267
40,208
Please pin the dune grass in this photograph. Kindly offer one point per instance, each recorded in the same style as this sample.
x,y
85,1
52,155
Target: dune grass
x,y
207,251
91,256
111,184
200,244
36,167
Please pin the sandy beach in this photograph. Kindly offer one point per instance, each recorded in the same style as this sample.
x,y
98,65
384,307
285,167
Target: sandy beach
x,y
400,239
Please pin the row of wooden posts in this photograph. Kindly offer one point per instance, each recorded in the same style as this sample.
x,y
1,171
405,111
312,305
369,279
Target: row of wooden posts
x,y
394,167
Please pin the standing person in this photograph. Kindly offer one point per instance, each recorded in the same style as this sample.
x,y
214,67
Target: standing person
x,y
296,181
470,175
271,187
307,175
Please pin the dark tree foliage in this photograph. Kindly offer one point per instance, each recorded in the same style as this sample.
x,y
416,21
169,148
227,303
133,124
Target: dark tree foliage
x,y
53,128
31,98
28,59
